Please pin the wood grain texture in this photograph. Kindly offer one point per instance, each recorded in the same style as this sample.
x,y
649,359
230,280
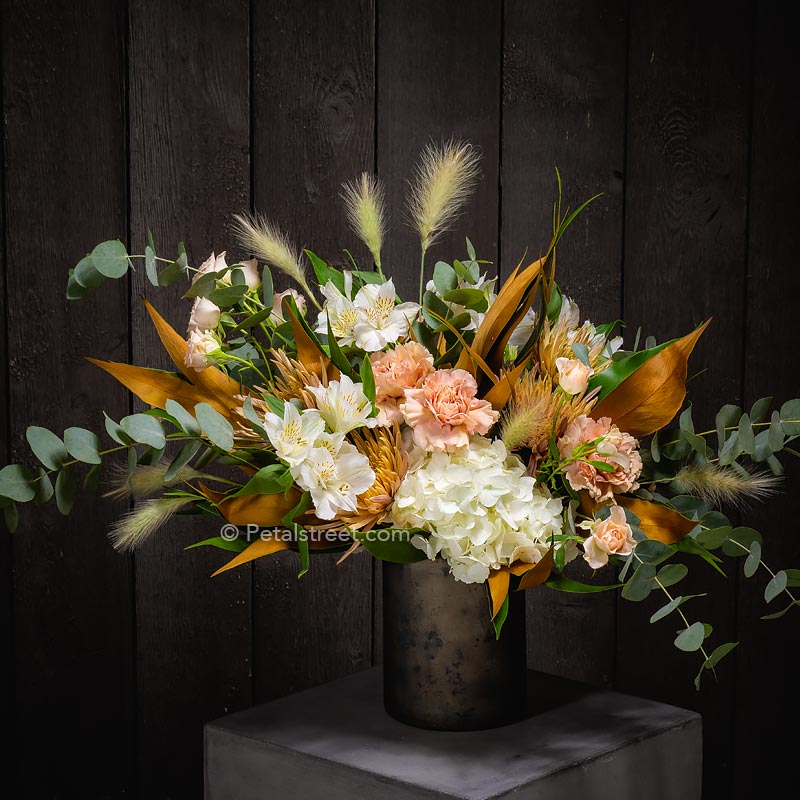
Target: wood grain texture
x,y
767,703
438,77
313,129
63,73
189,128
688,111
564,105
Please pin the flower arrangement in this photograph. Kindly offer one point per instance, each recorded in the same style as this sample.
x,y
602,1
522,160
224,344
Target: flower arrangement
x,y
483,424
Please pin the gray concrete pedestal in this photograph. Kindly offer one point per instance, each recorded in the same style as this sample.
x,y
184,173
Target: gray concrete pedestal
x,y
335,742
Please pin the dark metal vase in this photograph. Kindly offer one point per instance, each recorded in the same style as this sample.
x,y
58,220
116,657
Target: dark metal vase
x,y
443,667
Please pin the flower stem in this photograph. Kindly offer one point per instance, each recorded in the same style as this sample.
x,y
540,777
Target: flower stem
x,y
422,274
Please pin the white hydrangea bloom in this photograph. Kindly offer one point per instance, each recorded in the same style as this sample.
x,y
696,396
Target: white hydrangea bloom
x,y
483,512
343,405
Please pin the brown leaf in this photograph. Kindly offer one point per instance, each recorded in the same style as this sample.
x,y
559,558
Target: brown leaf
x,y
648,399
498,581
539,574
257,549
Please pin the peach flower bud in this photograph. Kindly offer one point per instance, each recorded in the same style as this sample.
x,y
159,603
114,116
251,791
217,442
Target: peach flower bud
x,y
213,263
573,375
610,536
276,317
199,349
205,315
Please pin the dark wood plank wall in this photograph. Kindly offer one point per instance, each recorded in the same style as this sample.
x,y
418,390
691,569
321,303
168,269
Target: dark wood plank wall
x,y
175,115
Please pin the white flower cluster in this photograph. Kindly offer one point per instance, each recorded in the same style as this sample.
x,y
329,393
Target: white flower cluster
x,y
321,461
481,509
371,320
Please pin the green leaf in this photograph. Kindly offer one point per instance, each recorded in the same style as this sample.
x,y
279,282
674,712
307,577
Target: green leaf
x,y
554,305
272,479
90,481
782,612
11,517
183,417
790,417
256,423
760,409
144,429
713,538
368,380
444,277
775,586
739,541
184,456
753,559
618,371
302,551
43,488
267,292
203,285
581,353
731,450
325,272
150,265
501,617
46,446
115,432
15,483
470,250
390,544
667,609
718,654
562,584
215,426
747,439
792,577
233,545
227,296
337,356
602,466
474,299
775,433
672,574
641,583
86,274
689,545
692,638
653,552
66,485
82,445
74,290
111,259
727,417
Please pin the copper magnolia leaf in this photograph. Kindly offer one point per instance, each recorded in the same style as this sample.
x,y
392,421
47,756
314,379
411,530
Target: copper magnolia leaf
x,y
258,549
501,392
212,380
498,581
153,386
648,399
501,312
308,353
264,510
539,573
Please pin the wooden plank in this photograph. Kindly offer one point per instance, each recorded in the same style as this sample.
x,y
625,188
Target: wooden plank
x,y
767,703
685,251
313,129
564,105
63,72
189,118
438,77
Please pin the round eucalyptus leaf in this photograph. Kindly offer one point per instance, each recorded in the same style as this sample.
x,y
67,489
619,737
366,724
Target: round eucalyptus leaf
x,y
111,259
46,446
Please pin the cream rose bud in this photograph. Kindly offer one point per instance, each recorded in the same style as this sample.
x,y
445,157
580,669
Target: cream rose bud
x,y
252,277
276,317
214,263
610,536
205,315
573,375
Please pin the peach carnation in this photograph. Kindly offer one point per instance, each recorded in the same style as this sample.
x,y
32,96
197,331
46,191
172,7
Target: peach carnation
x,y
612,446
405,367
444,412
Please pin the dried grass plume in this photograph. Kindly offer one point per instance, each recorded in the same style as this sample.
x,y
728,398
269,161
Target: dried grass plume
x,y
269,243
365,204
723,485
445,179
138,525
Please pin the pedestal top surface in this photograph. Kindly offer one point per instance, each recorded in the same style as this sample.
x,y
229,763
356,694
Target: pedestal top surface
x,y
344,722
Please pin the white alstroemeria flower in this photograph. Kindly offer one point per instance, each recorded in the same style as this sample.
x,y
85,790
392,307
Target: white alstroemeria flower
x,y
294,436
380,321
343,405
340,310
335,481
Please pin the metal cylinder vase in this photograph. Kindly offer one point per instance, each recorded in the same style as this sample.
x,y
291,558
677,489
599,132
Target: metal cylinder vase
x,y
443,666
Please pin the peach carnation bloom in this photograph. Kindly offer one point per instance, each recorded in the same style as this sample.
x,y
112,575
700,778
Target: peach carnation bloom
x,y
610,536
405,367
615,448
444,412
